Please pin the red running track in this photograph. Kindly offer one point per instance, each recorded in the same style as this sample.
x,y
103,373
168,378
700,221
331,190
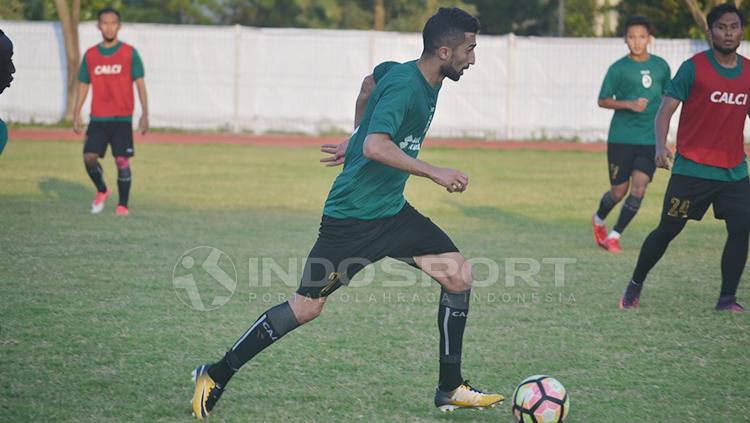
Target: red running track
x,y
298,140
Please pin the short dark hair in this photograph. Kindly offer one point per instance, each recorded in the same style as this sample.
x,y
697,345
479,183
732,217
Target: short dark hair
x,y
447,28
717,12
637,21
107,10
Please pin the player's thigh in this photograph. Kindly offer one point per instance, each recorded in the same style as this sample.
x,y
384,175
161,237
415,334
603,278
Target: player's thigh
x,y
643,168
640,181
451,270
343,248
97,138
733,200
122,139
417,240
619,163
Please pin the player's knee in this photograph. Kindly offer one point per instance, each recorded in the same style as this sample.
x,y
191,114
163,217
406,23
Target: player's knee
x,y
638,190
460,281
618,192
670,228
122,162
306,309
90,159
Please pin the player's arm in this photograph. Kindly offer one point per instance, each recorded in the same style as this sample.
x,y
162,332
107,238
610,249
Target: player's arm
x,y
664,156
81,93
608,98
379,147
637,106
368,86
84,81
338,151
143,97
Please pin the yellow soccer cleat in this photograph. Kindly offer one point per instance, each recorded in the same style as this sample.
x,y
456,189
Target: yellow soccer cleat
x,y
207,392
465,396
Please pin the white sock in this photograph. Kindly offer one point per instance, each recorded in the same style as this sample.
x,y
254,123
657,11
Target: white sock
x,y
597,220
614,235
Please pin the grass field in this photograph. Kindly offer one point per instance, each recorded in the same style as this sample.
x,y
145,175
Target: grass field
x,y
92,328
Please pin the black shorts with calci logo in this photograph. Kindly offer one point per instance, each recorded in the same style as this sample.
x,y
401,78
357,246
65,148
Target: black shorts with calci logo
x,y
119,134
623,159
688,197
346,246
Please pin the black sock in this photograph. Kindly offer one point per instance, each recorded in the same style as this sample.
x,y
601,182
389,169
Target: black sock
x,y
606,204
269,328
734,258
452,314
124,178
95,173
633,291
655,245
627,213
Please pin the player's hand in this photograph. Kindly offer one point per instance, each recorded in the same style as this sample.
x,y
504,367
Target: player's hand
x,y
77,127
143,125
337,153
663,157
453,180
639,105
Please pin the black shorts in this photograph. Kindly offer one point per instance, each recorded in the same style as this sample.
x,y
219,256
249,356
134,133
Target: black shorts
x,y
346,246
688,197
101,133
623,159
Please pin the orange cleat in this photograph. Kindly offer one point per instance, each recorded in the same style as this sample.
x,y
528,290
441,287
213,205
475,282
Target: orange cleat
x,y
612,245
600,231
121,210
98,205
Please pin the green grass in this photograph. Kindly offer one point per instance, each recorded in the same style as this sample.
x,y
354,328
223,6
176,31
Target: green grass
x,y
91,328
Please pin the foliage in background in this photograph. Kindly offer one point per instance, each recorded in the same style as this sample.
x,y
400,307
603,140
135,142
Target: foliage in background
x,y
671,18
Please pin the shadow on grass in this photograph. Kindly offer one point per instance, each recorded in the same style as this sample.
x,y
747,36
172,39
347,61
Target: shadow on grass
x,y
65,190
499,215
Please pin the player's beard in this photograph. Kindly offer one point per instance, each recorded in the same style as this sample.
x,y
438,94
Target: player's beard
x,y
6,76
109,39
449,71
726,51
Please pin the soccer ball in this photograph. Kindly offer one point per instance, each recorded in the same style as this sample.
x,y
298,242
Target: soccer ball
x,y
540,399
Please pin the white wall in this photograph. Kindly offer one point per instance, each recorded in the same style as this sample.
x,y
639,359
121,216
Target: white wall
x,y
304,80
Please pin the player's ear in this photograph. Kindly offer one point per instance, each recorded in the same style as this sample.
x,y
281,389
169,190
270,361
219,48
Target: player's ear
x,y
444,53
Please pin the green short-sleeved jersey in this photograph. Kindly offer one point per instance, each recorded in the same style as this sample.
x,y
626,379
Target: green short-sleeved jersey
x,y
381,69
402,106
679,89
627,80
3,136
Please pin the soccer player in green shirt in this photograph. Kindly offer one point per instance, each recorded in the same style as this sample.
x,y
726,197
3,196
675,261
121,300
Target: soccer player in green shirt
x,y
6,77
366,218
633,88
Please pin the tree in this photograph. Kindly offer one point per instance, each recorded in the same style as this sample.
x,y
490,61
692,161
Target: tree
x,y
673,18
11,9
699,13
69,18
